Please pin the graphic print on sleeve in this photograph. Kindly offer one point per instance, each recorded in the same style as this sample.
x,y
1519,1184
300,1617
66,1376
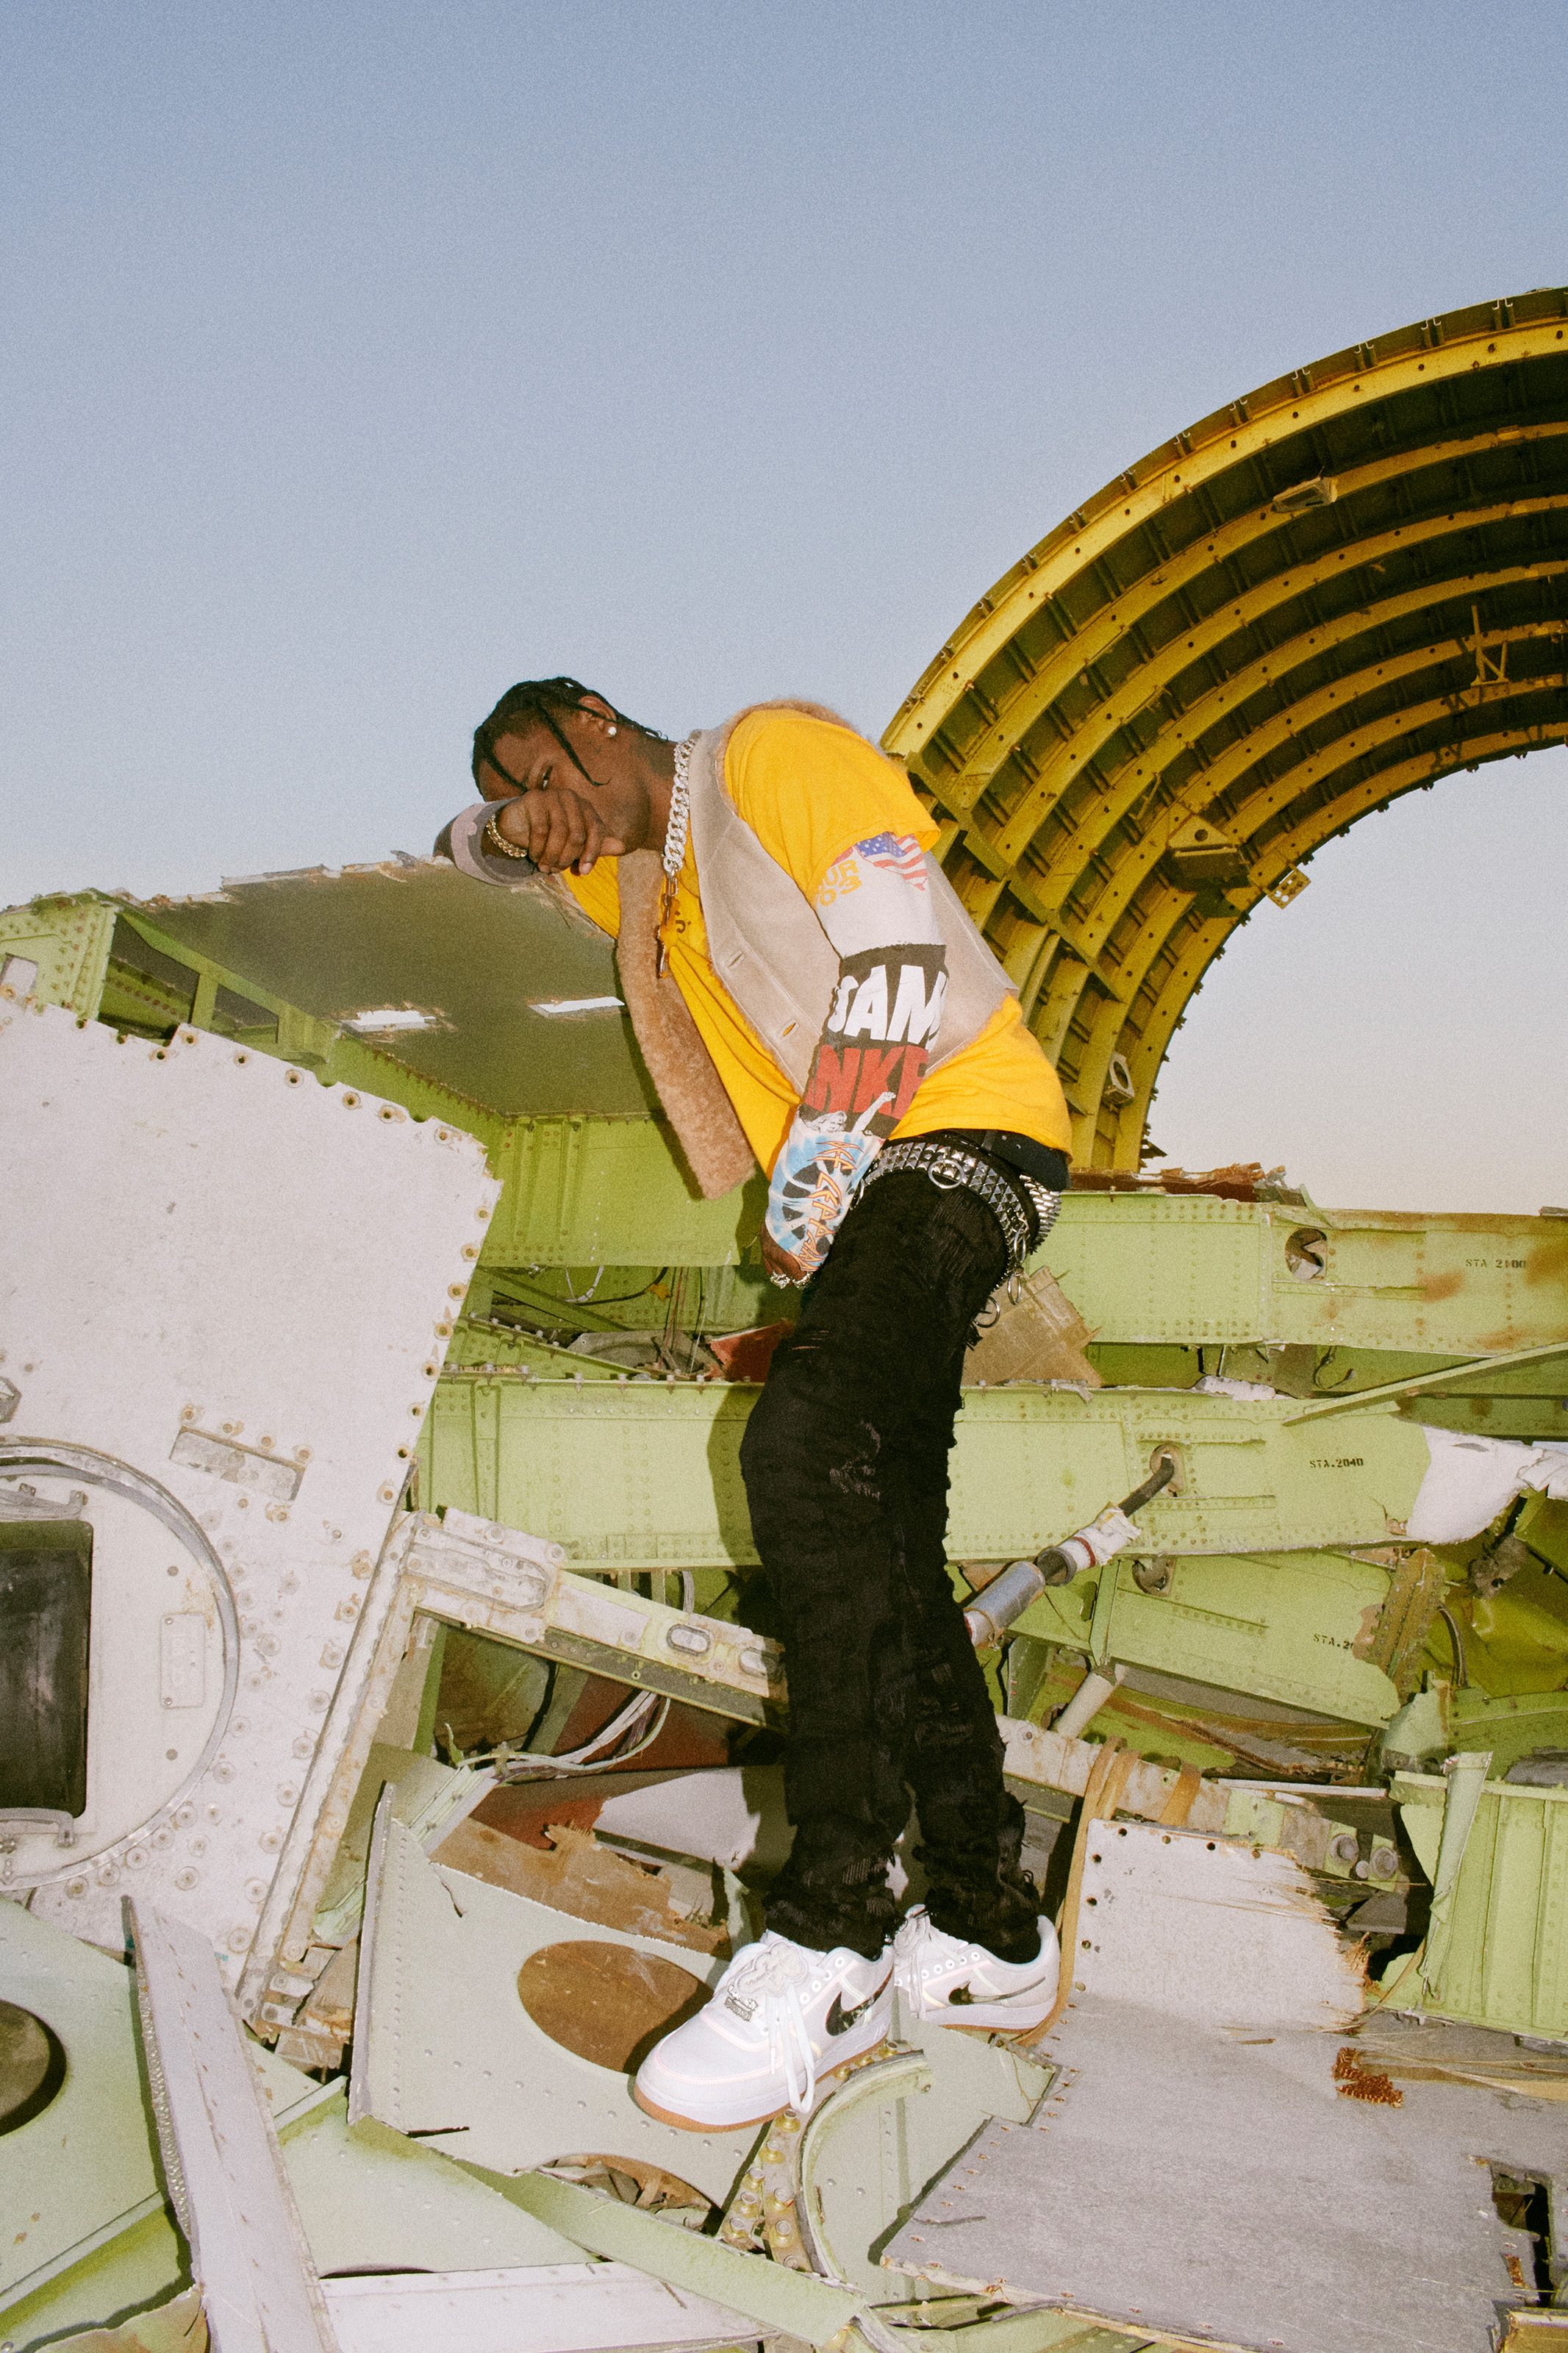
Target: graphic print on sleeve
x,y
877,1037
874,905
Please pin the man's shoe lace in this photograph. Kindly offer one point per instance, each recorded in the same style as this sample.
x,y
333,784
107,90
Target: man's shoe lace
x,y
914,1938
770,1983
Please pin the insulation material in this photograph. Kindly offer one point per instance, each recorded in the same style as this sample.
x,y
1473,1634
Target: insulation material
x,y
578,1875
1038,1756
727,1814
1220,2188
1408,2049
1038,1337
1471,1480
1210,1930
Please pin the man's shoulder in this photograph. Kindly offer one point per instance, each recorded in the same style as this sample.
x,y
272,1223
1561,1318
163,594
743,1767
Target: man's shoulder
x,y
794,726
810,786
775,748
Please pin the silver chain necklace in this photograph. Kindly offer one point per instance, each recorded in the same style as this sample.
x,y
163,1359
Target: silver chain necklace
x,y
677,828
679,824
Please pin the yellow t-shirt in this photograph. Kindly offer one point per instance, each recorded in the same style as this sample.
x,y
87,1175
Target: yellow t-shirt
x,y
810,791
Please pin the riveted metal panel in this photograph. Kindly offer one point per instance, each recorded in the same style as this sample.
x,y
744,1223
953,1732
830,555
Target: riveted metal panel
x,y
586,1192
229,1294
68,939
1506,1959
1146,1269
646,1474
1284,1628
1455,1285
82,2172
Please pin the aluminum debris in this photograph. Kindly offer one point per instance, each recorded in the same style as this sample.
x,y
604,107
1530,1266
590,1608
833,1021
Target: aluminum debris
x,y
1209,2184
385,1666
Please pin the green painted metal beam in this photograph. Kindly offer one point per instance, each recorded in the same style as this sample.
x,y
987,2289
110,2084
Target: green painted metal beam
x,y
68,939
583,1193
1148,1268
1287,1626
645,1475
1504,1960
1475,1374
587,1193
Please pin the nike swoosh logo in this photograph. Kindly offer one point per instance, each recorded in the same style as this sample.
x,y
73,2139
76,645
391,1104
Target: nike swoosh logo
x,y
839,2020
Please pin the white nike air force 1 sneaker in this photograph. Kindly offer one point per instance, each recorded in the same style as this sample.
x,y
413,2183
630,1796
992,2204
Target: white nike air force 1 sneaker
x,y
949,1983
780,2014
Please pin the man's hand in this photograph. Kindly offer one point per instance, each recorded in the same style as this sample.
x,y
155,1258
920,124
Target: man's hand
x,y
558,829
782,1264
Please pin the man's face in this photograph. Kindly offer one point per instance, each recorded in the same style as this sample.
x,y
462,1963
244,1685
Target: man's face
x,y
528,763
570,809
534,760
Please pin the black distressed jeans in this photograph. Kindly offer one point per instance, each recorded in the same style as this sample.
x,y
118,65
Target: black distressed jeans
x,y
845,1460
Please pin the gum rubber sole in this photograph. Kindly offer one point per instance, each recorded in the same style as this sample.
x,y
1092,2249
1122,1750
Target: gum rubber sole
x,y
693,2123
741,2124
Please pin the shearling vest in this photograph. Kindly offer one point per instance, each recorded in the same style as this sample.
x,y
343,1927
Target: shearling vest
x,y
767,947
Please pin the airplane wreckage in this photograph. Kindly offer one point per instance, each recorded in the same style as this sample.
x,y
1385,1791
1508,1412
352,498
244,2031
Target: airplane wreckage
x,y
390,1720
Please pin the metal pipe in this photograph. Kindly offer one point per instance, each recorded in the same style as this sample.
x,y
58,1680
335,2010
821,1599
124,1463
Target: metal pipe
x,y
1006,1597
1086,1702
1023,1581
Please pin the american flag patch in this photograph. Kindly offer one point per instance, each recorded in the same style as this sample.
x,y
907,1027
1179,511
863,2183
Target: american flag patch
x,y
896,854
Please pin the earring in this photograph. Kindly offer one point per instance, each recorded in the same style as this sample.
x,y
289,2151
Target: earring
x,y
614,731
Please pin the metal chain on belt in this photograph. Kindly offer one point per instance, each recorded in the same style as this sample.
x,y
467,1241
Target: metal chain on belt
x,y
1047,1205
952,1169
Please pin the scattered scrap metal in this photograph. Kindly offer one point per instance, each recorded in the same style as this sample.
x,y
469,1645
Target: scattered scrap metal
x,y
390,1716
422,1822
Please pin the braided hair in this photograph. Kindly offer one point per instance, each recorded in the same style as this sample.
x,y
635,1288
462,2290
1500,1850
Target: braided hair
x,y
537,701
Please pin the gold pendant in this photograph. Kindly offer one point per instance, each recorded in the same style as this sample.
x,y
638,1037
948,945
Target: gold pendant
x,y
666,909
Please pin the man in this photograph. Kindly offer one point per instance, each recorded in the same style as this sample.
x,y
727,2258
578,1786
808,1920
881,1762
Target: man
x,y
806,989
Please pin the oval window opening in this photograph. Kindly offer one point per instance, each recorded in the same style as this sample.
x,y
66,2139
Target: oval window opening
x,y
605,2002
32,2067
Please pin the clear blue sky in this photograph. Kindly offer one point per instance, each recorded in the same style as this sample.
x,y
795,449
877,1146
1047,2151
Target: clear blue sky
x,y
358,360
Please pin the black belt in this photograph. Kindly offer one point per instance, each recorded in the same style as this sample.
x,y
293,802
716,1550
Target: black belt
x,y
1041,1161
1025,1208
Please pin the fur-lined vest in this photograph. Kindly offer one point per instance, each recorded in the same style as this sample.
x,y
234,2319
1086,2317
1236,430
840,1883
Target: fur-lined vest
x,y
771,954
